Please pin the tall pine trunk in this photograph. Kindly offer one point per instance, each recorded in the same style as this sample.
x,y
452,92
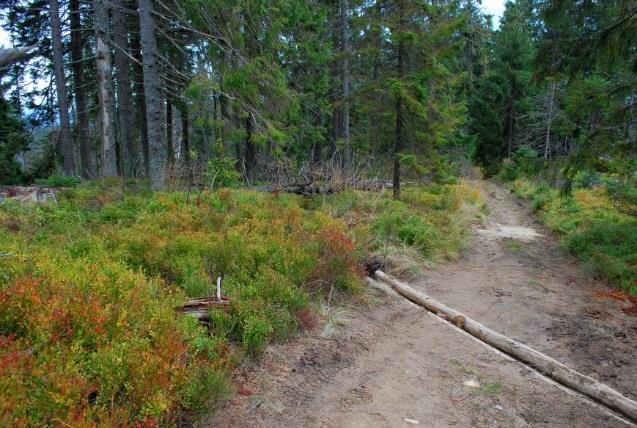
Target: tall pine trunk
x,y
128,149
140,98
60,86
347,155
170,148
509,127
547,140
105,89
152,92
184,156
398,143
87,169
250,155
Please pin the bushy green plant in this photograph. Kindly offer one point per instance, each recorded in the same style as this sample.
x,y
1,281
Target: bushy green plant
x,y
222,172
256,334
586,179
58,180
409,229
209,388
541,197
610,249
523,161
111,268
623,194
603,236
429,219
523,154
508,170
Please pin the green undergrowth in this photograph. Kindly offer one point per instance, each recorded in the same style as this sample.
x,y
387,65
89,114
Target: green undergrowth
x,y
89,334
428,223
593,226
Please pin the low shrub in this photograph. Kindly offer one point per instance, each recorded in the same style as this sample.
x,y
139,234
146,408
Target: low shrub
x,y
603,236
523,162
88,330
222,172
610,249
429,219
58,180
89,334
398,225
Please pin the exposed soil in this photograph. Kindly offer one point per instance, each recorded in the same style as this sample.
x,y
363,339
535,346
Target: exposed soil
x,y
394,364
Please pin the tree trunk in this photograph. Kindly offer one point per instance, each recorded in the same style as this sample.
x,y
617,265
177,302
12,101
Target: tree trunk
x,y
141,100
335,131
250,155
105,89
60,85
152,90
347,154
509,128
377,39
398,143
87,169
170,148
185,138
547,141
128,148
218,130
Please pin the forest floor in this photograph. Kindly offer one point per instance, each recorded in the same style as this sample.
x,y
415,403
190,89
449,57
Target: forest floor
x,y
394,364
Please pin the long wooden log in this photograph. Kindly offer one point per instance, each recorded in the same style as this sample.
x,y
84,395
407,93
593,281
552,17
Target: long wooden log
x,y
545,364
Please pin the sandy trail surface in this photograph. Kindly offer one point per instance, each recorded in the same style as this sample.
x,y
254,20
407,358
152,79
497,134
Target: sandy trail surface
x,y
393,364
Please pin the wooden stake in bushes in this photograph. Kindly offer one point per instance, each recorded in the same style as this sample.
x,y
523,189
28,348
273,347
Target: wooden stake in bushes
x,y
545,364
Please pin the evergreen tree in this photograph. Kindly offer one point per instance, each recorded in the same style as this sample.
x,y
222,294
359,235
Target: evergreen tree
x,y
60,84
13,140
503,91
593,44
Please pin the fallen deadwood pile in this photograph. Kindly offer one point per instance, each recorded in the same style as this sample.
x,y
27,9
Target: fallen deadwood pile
x,y
200,307
545,364
310,189
303,189
24,194
313,188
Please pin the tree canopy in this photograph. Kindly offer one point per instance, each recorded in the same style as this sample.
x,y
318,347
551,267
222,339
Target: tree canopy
x,y
288,88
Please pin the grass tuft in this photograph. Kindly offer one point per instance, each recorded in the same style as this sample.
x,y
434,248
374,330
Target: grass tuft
x,y
603,236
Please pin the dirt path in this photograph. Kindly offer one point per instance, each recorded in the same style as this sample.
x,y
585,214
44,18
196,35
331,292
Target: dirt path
x,y
393,364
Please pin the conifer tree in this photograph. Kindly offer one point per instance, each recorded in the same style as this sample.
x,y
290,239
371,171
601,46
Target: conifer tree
x,y
60,84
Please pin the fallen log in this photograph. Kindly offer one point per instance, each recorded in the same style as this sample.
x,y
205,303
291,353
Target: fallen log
x,y
34,194
545,364
200,307
304,189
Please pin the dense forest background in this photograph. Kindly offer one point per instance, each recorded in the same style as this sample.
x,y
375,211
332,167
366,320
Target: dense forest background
x,y
188,92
